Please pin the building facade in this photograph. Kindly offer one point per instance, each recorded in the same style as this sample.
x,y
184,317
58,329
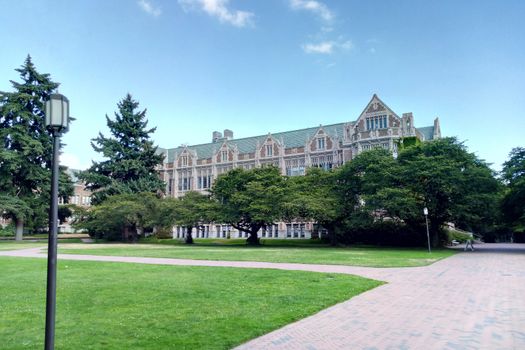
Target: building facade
x,y
195,167
81,197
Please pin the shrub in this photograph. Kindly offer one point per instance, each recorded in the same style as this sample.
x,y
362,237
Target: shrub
x,y
386,233
8,230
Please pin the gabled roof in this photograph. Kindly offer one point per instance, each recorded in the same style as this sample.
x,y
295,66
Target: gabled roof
x,y
287,139
290,139
376,99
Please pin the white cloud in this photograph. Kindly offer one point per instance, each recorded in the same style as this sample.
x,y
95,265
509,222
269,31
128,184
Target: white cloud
x,y
220,10
149,8
316,7
328,47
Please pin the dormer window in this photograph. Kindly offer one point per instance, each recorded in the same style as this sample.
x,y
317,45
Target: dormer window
x,y
377,122
269,150
184,160
224,156
321,143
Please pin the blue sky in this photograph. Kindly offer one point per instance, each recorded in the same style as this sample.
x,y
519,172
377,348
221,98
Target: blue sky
x,y
259,66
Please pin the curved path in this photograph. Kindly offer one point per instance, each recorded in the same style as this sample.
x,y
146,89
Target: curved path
x,y
472,300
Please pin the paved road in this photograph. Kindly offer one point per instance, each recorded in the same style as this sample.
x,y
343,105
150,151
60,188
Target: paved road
x,y
473,300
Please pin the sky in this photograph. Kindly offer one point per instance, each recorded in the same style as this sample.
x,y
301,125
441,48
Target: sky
x,y
259,66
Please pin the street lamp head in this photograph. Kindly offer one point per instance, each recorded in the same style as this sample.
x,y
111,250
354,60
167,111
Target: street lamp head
x,y
57,113
425,211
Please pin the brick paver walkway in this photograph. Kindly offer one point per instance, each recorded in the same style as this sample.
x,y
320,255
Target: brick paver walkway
x,y
473,300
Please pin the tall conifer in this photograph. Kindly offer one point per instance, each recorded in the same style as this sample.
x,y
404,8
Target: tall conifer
x,y
131,157
26,148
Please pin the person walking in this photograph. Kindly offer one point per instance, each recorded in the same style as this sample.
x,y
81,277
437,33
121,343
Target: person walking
x,y
470,242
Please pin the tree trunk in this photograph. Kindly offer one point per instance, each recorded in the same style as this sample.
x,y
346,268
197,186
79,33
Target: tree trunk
x,y
332,236
19,231
253,239
129,234
434,235
189,238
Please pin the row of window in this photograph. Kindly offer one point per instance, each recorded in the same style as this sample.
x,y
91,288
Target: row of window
x,y
80,200
377,122
384,145
204,178
293,230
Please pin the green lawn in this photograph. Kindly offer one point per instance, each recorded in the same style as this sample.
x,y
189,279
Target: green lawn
x,y
356,256
133,306
12,245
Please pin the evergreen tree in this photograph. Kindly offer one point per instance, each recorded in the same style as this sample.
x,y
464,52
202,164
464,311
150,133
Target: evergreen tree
x,y
132,158
26,148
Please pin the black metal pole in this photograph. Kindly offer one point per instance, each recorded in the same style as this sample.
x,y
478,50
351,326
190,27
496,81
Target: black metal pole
x,y
428,235
52,250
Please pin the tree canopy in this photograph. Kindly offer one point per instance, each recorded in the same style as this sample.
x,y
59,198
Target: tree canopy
x,y
131,158
122,217
193,210
376,188
513,203
313,197
250,199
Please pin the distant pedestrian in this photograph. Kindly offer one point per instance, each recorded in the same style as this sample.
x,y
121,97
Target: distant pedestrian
x,y
470,242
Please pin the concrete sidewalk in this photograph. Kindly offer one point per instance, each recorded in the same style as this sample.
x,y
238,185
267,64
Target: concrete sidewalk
x,y
473,300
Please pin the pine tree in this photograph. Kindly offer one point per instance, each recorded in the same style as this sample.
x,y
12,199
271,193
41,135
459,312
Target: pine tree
x,y
26,147
132,159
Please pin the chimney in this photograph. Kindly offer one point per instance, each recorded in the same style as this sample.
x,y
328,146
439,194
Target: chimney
x,y
228,134
216,136
437,129
408,124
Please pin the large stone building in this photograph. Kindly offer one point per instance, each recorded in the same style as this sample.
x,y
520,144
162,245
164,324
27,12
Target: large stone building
x,y
194,167
81,197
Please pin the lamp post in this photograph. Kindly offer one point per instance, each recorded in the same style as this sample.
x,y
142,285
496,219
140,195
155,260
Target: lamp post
x,y
425,211
57,118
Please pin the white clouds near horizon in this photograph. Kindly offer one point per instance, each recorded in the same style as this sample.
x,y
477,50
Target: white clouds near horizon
x,y
316,7
148,7
219,9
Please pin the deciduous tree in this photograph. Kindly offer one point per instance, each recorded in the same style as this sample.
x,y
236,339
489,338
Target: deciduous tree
x,y
513,204
193,210
250,199
121,217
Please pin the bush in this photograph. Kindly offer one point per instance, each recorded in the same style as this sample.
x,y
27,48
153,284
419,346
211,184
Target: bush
x,y
8,230
163,233
386,233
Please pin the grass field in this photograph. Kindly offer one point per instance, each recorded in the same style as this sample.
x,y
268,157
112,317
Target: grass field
x,y
134,306
355,256
11,245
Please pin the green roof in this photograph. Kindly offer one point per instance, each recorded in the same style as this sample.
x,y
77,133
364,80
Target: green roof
x,y
290,139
